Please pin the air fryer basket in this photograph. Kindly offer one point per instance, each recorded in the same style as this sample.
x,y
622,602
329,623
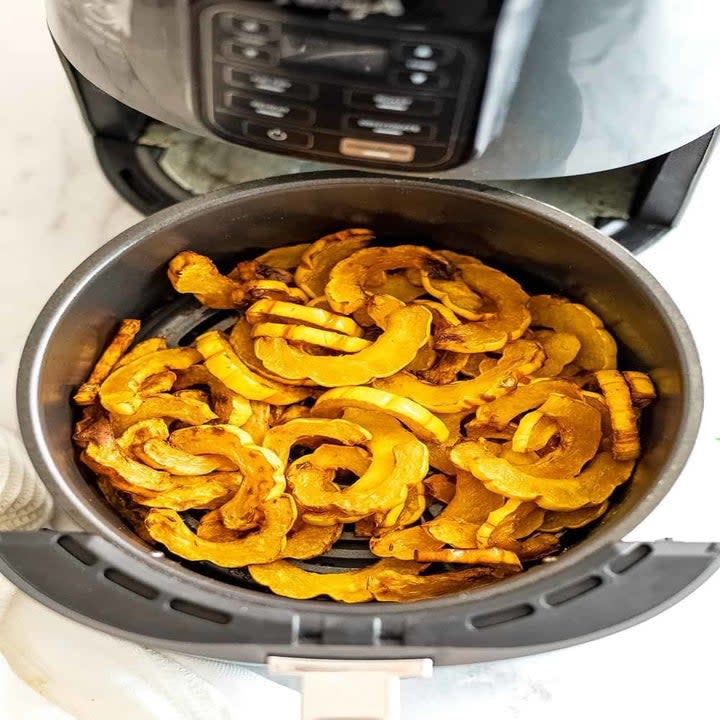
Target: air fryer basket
x,y
109,578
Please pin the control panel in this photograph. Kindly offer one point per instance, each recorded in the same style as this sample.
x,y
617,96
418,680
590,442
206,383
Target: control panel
x,y
371,97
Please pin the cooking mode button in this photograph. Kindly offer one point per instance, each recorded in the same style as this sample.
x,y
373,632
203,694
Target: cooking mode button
x,y
269,108
275,84
389,127
251,53
426,52
278,135
389,102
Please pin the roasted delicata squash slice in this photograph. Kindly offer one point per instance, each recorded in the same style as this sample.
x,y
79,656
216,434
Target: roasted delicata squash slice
x,y
243,343
287,257
144,347
222,361
194,492
347,288
408,329
508,322
87,393
264,544
301,431
287,579
625,436
391,586
261,469
560,348
592,486
323,255
642,389
308,541
229,406
457,296
499,413
557,520
440,487
399,460
534,432
457,524
268,310
423,423
119,392
598,350
471,556
311,336
396,285
180,406
196,274
519,359
159,454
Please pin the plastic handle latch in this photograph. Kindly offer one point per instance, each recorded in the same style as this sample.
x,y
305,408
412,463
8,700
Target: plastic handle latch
x,y
350,689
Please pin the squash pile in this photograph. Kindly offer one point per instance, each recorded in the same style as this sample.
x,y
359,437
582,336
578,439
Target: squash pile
x,y
417,398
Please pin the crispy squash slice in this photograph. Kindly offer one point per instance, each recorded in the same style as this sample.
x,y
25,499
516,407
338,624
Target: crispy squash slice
x,y
499,413
392,586
423,423
509,321
469,556
87,393
557,520
287,257
264,545
311,336
534,432
560,348
625,436
192,273
308,541
591,487
268,310
289,580
440,487
144,347
347,289
119,392
194,492
407,331
180,406
642,389
598,350
301,431
399,460
519,360
159,454
222,361
323,255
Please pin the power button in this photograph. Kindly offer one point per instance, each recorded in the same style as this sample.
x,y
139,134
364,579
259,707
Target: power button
x,y
278,135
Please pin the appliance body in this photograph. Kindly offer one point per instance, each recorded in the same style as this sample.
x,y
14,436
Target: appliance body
x,y
111,579
493,88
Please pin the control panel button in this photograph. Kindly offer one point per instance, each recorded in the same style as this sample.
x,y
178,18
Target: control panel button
x,y
248,105
275,84
418,79
378,151
251,53
392,102
250,26
394,128
426,52
278,135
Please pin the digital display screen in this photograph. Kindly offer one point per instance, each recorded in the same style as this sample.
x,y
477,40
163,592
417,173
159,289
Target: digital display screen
x,y
337,55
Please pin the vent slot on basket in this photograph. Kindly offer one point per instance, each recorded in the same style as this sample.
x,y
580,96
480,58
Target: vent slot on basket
x,y
575,590
200,611
500,617
629,560
78,551
131,584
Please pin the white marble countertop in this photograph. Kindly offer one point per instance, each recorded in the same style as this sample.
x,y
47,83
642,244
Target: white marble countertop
x,y
56,207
